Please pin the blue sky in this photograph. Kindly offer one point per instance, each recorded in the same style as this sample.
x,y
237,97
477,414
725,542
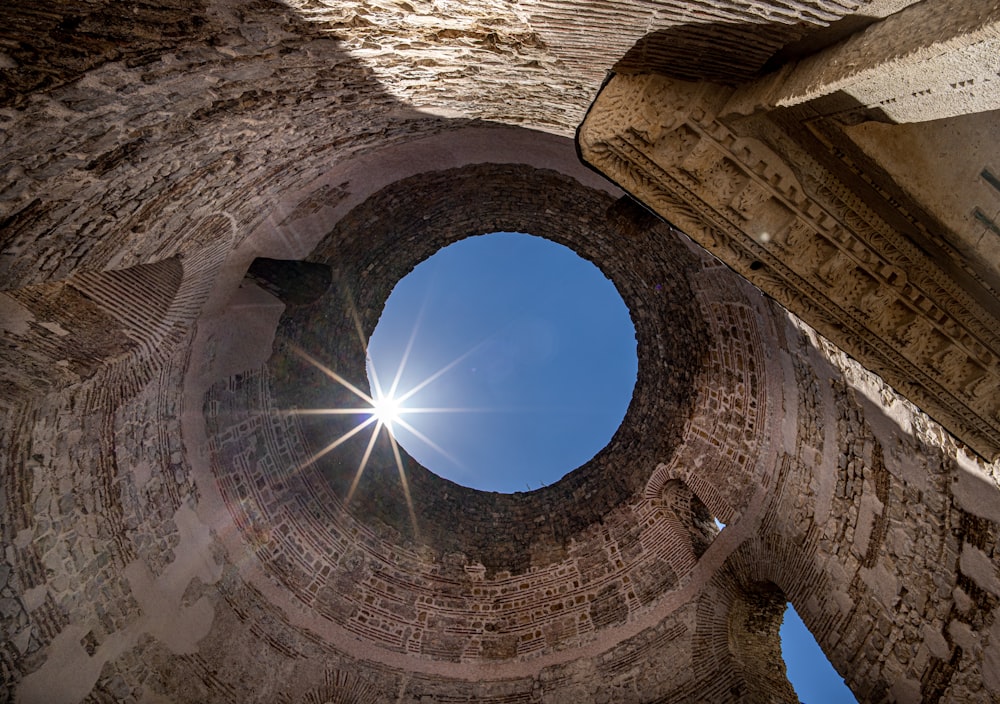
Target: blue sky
x,y
812,675
535,347
543,354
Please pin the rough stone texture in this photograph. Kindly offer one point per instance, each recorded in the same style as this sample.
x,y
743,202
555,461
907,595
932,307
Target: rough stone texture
x,y
165,537
930,160
926,62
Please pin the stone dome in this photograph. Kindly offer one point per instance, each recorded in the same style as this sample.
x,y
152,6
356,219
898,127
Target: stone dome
x,y
202,196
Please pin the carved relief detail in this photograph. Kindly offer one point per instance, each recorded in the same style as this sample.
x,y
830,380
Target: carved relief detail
x,y
816,247
754,203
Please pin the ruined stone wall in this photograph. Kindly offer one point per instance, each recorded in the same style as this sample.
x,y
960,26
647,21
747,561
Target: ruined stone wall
x,y
162,548
244,103
868,538
532,569
161,539
90,499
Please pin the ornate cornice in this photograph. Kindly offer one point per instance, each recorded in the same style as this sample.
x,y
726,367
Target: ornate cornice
x,y
815,242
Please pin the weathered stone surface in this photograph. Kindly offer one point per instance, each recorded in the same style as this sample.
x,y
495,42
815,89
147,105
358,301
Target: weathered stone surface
x,y
786,199
163,536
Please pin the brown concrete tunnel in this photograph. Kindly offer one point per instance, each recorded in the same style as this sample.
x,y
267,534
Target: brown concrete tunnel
x,y
165,536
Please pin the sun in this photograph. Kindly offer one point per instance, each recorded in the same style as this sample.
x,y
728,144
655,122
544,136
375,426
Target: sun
x,y
387,410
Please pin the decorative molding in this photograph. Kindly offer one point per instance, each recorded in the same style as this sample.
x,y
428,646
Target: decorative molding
x,y
807,238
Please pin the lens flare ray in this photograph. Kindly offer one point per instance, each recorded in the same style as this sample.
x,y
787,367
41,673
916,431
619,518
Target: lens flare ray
x,y
406,485
332,374
409,347
322,411
364,462
337,443
430,442
442,371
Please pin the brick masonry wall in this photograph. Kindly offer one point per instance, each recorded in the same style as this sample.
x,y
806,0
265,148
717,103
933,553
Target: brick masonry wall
x,y
143,560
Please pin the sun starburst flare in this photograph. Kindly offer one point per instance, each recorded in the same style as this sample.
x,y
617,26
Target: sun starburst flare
x,y
384,409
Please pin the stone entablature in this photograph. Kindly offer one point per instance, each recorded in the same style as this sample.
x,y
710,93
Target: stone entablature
x,y
819,239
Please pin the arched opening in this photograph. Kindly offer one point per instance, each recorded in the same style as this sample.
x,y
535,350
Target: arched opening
x,y
809,670
777,655
694,516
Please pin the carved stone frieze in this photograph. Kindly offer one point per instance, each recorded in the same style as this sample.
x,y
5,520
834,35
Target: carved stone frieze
x,y
827,248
